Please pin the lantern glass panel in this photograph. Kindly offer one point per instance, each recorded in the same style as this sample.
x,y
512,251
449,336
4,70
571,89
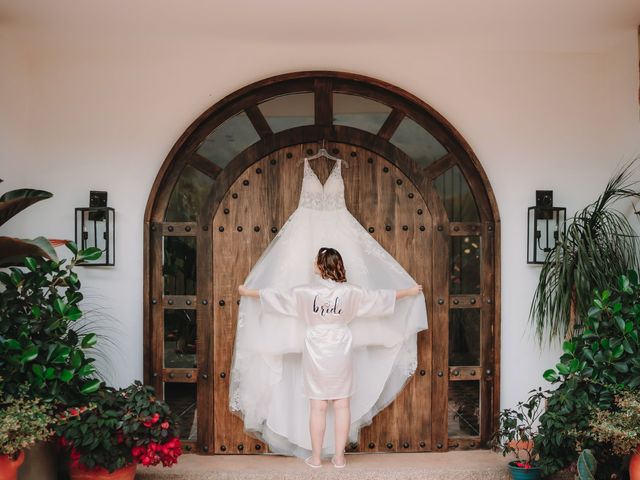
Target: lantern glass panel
x,y
545,227
95,227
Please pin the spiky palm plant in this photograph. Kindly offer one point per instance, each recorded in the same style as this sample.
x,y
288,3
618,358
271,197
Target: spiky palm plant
x,y
599,246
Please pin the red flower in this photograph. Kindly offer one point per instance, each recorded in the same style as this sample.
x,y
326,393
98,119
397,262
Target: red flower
x,y
137,451
164,425
74,412
155,418
147,423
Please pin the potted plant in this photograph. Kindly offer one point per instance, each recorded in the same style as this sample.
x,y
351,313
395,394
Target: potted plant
x,y
23,422
619,427
117,430
600,357
42,344
516,435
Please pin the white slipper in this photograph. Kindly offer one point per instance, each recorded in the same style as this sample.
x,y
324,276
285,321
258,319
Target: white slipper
x,y
307,461
333,460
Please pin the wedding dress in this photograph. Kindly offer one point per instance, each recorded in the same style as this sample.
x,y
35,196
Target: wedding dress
x,y
267,386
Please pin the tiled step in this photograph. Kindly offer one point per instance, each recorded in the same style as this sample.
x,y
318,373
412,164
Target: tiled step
x,y
470,465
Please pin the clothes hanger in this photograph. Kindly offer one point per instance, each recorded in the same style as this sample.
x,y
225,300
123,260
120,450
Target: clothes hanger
x,y
322,152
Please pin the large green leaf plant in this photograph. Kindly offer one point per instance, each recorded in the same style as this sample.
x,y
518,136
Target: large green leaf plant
x,y
601,358
40,297
39,344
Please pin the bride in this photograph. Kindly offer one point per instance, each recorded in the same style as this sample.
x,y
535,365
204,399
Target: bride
x,y
267,381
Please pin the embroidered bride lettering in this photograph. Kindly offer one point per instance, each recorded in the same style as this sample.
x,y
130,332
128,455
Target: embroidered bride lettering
x,y
327,308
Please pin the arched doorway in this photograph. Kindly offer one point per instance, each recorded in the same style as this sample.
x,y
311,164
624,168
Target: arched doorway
x,y
232,180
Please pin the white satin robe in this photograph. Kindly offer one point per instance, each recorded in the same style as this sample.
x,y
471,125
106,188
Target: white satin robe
x,y
327,307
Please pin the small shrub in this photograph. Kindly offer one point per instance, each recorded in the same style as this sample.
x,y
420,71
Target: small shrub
x,y
23,422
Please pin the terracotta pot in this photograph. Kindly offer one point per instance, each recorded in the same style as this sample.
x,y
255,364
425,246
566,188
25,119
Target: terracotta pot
x,y
9,467
634,465
124,473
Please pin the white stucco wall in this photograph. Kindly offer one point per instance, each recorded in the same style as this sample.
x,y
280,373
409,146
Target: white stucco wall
x,y
82,112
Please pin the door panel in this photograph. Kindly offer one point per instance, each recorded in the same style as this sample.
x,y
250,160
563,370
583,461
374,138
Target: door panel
x,y
254,208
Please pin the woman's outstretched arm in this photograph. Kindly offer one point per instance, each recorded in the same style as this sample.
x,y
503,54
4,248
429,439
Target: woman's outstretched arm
x,y
408,292
247,292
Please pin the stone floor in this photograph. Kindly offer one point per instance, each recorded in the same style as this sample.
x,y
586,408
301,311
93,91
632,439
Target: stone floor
x,y
469,465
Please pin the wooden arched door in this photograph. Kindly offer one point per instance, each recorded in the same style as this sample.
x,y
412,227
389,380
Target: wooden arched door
x,y
232,180
256,205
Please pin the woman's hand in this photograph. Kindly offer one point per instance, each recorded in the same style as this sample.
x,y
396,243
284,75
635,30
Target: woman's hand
x,y
408,292
247,292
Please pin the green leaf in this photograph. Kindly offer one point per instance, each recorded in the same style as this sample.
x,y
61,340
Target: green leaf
x,y
90,387
622,367
635,382
66,375
550,375
574,365
38,370
618,351
563,369
620,323
59,306
569,348
89,340
588,354
72,246
76,359
86,370
61,354
91,253
30,354
31,263
12,344
73,314
586,465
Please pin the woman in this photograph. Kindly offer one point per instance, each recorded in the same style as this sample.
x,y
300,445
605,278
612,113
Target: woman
x,y
327,305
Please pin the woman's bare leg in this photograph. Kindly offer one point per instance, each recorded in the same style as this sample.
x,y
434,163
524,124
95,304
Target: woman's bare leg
x,y
342,412
317,424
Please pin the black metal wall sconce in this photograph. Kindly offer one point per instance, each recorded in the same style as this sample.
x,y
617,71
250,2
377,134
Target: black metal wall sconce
x,y
545,225
96,227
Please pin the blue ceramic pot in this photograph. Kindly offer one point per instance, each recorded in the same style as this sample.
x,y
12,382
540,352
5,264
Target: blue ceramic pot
x,y
519,473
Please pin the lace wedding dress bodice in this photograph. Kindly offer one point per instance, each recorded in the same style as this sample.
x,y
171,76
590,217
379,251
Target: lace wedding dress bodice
x,y
317,196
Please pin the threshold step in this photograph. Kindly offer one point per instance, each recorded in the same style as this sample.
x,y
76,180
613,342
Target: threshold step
x,y
467,465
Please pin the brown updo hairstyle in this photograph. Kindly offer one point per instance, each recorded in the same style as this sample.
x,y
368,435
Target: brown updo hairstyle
x,y
330,264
